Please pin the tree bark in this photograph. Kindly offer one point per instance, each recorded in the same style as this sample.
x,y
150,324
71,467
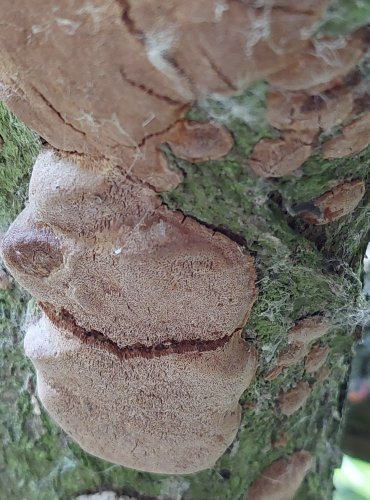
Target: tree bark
x,y
309,267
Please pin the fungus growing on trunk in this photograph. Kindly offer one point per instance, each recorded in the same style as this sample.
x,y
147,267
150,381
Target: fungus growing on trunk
x,y
292,400
139,299
321,64
341,200
301,112
308,329
299,337
316,358
281,479
199,141
354,138
279,157
166,409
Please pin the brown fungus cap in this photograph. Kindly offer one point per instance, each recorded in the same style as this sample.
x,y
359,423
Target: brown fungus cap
x,y
300,112
322,62
316,358
341,200
138,68
173,413
279,157
292,400
199,141
292,355
308,329
353,139
103,249
282,479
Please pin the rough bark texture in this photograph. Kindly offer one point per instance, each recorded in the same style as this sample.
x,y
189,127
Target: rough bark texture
x,y
303,271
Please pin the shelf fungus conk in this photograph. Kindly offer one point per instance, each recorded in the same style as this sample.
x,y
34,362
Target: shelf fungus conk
x,y
341,200
143,309
282,479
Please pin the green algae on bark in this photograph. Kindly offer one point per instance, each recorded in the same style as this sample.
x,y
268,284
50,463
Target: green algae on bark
x,y
19,147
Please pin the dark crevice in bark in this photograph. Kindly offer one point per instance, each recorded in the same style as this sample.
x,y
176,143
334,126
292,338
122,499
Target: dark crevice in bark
x,y
237,238
65,320
218,71
149,91
50,106
179,70
130,23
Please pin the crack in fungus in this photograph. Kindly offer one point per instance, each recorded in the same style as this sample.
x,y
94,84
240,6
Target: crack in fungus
x,y
65,320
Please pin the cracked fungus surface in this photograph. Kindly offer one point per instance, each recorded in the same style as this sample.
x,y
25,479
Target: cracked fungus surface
x,y
124,265
172,413
144,308
175,53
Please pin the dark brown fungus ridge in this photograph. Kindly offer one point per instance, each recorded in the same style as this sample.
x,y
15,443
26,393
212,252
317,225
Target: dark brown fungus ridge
x,y
282,479
292,400
341,200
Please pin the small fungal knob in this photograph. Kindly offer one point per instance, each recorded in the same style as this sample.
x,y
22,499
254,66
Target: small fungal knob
x,y
308,329
282,479
353,139
29,249
321,64
341,200
5,280
292,400
294,353
199,141
300,112
279,157
316,358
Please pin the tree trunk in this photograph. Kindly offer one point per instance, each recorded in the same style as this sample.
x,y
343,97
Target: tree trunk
x,y
307,229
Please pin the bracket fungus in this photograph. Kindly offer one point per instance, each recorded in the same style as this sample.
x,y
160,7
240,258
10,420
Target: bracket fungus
x,y
353,139
341,200
143,306
300,112
138,299
170,411
316,358
300,335
292,400
279,157
282,479
322,64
